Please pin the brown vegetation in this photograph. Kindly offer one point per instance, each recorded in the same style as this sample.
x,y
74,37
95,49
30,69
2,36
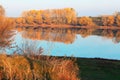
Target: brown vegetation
x,y
62,18
6,26
28,63
2,11
118,20
108,20
55,16
22,68
85,21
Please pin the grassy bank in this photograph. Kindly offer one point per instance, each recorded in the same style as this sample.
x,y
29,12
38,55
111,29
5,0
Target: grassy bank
x,y
99,69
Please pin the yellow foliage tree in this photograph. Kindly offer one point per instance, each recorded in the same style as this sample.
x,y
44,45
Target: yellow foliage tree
x,y
20,20
6,26
2,11
118,20
29,19
55,16
85,21
70,15
38,19
108,21
46,17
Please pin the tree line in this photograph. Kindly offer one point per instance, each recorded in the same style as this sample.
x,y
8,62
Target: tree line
x,y
54,16
64,16
100,21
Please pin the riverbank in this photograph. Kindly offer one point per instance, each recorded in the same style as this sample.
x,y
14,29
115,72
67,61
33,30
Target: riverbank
x,y
67,26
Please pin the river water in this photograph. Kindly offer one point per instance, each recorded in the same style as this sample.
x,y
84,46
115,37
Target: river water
x,y
68,42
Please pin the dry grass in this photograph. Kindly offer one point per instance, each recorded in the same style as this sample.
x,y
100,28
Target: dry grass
x,y
14,68
63,69
25,68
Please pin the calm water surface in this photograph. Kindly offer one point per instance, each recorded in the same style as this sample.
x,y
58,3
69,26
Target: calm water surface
x,y
80,43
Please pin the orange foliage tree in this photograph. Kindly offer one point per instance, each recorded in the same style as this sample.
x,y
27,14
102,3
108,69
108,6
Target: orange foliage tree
x,y
118,20
20,20
85,21
54,16
70,15
38,19
108,21
46,17
2,11
29,19
6,26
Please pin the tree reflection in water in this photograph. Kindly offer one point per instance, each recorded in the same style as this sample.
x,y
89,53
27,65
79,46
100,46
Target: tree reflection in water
x,y
68,36
59,35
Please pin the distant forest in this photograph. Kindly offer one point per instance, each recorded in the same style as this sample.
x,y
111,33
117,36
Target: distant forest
x,y
66,16
54,16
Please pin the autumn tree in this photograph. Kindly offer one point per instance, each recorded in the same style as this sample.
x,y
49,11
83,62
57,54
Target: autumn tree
x,y
64,16
46,16
118,20
104,21
2,11
20,20
108,20
29,19
29,16
85,21
70,15
6,26
38,17
55,16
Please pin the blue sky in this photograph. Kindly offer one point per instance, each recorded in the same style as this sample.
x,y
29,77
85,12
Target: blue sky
x,y
83,7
